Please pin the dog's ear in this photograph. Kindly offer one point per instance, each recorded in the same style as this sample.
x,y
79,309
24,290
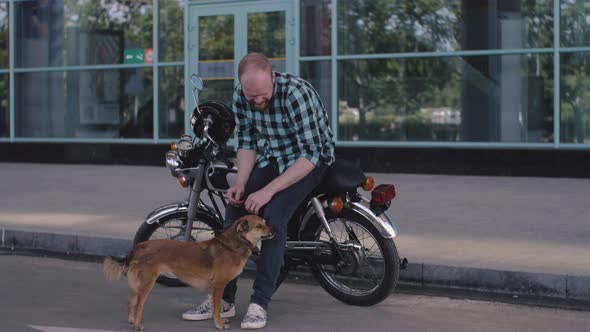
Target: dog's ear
x,y
242,225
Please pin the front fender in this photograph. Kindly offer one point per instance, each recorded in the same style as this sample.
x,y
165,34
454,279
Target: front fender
x,y
172,208
387,228
166,210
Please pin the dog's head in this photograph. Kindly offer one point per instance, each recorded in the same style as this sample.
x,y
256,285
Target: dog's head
x,y
253,228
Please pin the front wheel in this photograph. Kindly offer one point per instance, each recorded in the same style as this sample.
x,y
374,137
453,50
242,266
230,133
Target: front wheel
x,y
369,269
173,227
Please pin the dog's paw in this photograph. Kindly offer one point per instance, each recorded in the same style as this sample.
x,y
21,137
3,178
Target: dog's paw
x,y
223,326
138,327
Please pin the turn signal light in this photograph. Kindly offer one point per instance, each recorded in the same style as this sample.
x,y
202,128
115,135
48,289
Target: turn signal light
x,y
336,205
383,194
183,181
173,146
369,183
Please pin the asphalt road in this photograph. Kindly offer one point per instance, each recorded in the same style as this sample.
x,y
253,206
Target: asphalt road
x,y
55,295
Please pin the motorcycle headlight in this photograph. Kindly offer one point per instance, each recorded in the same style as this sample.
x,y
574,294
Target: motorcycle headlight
x,y
173,162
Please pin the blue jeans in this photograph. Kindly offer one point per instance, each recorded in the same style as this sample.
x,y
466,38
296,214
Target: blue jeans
x,y
277,214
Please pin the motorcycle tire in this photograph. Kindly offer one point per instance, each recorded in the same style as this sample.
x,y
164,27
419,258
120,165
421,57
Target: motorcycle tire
x,y
204,228
386,248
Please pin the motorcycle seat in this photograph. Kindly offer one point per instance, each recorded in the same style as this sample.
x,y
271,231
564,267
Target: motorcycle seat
x,y
342,176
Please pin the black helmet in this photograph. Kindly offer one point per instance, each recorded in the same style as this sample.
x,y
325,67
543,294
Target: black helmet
x,y
223,121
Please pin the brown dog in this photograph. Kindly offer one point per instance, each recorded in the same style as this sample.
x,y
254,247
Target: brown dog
x,y
208,264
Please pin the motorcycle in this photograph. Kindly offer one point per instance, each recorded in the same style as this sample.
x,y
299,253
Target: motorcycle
x,y
343,238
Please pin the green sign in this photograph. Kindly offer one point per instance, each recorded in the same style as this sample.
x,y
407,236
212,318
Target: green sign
x,y
133,56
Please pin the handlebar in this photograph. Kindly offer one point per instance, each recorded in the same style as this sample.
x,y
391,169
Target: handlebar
x,y
225,160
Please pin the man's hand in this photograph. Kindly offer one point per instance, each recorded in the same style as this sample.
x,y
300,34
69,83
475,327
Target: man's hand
x,y
235,195
257,200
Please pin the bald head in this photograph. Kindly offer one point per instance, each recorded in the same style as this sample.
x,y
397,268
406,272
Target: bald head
x,y
254,62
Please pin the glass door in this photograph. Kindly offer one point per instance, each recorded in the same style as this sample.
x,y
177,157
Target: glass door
x,y
219,35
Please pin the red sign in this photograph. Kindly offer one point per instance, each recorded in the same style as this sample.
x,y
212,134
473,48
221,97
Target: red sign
x,y
148,55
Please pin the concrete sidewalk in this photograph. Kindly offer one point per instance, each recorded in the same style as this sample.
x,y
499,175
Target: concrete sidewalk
x,y
506,234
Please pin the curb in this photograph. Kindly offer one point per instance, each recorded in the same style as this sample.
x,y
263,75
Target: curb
x,y
563,287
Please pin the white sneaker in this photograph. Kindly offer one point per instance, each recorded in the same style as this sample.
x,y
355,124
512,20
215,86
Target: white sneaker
x,y
205,310
255,318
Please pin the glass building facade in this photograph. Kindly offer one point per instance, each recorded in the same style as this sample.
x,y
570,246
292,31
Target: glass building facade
x,y
427,73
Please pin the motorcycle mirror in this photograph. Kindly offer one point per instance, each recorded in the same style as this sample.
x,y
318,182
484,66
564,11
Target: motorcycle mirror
x,y
197,82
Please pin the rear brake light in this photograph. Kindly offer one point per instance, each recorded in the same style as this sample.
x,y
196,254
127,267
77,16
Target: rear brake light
x,y
383,194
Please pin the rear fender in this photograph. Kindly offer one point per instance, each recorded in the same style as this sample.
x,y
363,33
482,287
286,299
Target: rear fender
x,y
386,228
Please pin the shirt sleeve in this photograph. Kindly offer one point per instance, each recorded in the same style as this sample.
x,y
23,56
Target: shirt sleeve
x,y
246,133
303,107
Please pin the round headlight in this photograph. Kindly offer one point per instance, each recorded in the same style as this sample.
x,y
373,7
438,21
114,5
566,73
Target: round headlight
x,y
173,162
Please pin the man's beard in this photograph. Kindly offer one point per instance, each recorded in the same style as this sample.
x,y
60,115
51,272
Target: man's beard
x,y
260,107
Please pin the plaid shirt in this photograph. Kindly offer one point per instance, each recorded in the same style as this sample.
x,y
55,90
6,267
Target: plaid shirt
x,y
294,125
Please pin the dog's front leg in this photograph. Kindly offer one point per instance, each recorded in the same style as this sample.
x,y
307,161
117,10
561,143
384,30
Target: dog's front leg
x,y
219,323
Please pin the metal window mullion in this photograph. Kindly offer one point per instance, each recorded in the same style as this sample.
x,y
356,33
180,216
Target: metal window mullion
x,y
334,66
187,99
315,58
574,146
171,64
84,140
156,81
11,55
573,49
82,68
296,35
407,55
556,74
448,144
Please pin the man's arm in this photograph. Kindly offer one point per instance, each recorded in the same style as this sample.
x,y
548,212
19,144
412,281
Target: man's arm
x,y
291,175
246,159
247,150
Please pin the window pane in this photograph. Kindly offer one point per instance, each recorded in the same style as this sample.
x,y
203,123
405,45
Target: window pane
x,y
89,104
389,26
221,90
315,27
4,106
216,57
70,32
575,23
319,74
575,98
4,35
266,34
472,99
171,30
171,102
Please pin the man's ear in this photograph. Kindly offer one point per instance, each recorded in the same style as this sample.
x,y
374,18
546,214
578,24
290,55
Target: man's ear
x,y
242,225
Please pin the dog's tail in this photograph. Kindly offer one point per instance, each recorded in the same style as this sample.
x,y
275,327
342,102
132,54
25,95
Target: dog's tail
x,y
115,268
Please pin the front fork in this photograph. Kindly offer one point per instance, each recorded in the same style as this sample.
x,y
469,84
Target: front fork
x,y
193,200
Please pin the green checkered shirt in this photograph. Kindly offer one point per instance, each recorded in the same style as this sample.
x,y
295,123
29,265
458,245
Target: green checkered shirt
x,y
294,125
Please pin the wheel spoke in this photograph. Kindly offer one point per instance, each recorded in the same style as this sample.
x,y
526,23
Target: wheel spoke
x,y
365,274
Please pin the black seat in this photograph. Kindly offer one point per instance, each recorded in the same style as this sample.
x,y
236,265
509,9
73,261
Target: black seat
x,y
341,176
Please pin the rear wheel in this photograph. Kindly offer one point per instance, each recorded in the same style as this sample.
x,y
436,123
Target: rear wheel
x,y
369,269
172,227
